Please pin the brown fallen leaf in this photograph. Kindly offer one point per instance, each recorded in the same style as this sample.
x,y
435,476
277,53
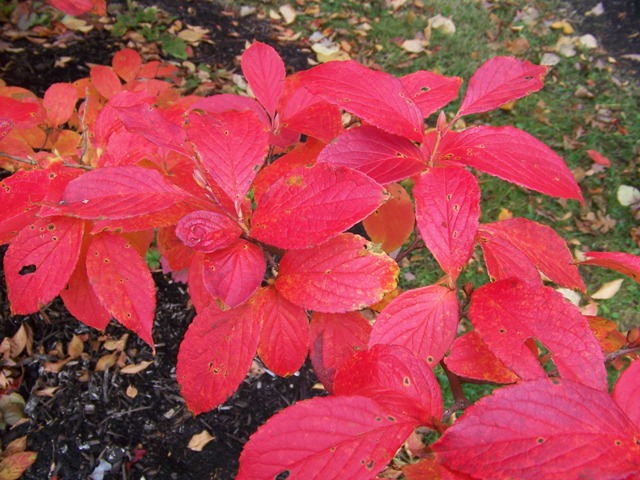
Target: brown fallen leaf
x,y
608,290
12,467
132,392
136,368
106,361
75,347
200,440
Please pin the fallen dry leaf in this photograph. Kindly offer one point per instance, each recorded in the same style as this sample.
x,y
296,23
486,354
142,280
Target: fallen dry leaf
x,y
46,392
117,344
413,46
132,392
628,195
598,158
596,11
550,59
442,24
588,41
566,46
75,347
608,290
139,367
13,466
563,25
106,361
199,440
288,13
505,214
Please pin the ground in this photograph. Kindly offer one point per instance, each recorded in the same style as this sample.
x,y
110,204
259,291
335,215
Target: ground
x,y
93,416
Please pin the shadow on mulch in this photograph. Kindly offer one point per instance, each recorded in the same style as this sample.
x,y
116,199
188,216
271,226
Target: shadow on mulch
x,y
91,417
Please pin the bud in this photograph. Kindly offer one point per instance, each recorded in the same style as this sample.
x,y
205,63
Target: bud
x,y
633,336
468,289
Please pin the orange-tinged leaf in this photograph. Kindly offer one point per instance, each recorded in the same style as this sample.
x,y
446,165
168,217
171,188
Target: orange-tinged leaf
x,y
624,263
431,91
59,102
448,214
598,158
312,204
216,354
234,273
626,392
520,248
472,359
423,320
40,260
284,342
264,70
105,80
392,223
231,146
350,437
341,275
564,430
12,467
127,63
394,367
606,331
122,282
512,155
507,313
500,80
430,468
376,97
335,337
384,157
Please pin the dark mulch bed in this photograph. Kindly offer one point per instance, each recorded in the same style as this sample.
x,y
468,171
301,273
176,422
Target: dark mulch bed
x,y
90,416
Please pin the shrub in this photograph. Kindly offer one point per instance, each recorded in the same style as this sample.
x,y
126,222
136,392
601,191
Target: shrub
x,y
251,200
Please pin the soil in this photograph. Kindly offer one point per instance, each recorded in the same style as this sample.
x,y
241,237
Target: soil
x,y
90,417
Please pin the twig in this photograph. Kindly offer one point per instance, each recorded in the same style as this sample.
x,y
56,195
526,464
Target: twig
x,y
415,245
29,161
620,353
461,401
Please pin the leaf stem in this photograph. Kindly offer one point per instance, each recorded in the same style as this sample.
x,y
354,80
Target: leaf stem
x,y
416,244
460,399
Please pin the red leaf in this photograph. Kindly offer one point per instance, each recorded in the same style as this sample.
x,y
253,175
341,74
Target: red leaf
x,y
118,193
376,97
72,7
448,214
198,294
13,465
512,155
472,359
264,70
40,260
542,429
335,337
6,125
501,80
217,104
423,320
508,312
505,243
398,369
25,114
127,63
105,80
312,204
431,91
626,392
122,282
392,223
598,158
216,354
624,263
231,146
382,156
59,102
207,231
429,468
334,437
81,300
284,342
341,275
234,273
303,154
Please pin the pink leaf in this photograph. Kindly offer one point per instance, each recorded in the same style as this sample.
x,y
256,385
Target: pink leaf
x,y
470,358
626,392
431,91
59,102
312,204
624,263
207,231
398,369
336,337
341,275
508,312
264,70
376,97
234,273
122,282
343,437
423,320
40,261
216,354
448,214
512,155
501,80
542,429
508,241
384,157
284,342
231,147
118,193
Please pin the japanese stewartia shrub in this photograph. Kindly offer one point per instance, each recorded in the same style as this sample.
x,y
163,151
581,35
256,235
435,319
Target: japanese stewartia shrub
x,y
251,199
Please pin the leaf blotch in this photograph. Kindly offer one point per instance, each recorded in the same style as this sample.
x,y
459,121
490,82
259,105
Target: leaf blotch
x,y
390,418
283,475
406,381
27,270
540,440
